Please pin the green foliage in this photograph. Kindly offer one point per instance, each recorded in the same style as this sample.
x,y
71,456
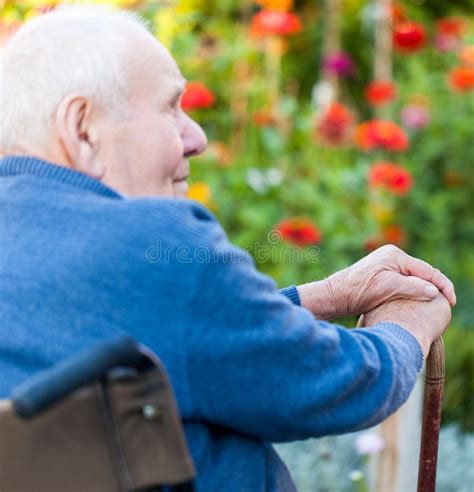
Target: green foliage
x,y
330,185
458,405
212,44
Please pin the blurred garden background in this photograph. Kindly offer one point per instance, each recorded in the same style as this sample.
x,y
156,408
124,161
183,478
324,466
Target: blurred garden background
x,y
335,127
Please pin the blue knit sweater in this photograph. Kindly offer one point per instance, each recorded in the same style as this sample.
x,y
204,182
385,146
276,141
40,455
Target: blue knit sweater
x,y
81,263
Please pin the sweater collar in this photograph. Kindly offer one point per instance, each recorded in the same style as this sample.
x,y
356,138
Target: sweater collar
x,y
17,165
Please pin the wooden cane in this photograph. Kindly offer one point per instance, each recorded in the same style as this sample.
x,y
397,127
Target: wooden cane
x,y
432,407
432,404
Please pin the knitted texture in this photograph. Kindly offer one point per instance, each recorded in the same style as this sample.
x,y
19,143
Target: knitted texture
x,y
81,263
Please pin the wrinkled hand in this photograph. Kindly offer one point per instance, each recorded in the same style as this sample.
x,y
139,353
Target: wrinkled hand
x,y
384,275
426,321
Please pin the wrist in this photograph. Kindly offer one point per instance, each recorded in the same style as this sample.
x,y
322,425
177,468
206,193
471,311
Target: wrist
x,y
319,298
421,337
419,334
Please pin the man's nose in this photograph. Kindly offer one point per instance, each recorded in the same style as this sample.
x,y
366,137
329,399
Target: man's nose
x,y
194,138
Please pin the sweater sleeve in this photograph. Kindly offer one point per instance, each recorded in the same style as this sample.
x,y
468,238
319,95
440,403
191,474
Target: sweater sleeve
x,y
291,293
265,367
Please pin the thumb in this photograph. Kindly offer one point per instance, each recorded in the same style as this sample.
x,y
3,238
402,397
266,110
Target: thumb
x,y
416,289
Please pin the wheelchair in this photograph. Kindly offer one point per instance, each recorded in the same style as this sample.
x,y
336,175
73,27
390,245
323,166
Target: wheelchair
x,y
105,420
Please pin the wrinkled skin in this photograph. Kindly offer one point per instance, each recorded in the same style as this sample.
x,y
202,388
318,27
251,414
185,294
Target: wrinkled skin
x,y
384,275
426,321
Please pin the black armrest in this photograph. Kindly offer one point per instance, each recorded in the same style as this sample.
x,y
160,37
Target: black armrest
x,y
51,385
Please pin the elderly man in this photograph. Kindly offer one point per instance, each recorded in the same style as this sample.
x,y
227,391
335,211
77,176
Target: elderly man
x,y
96,159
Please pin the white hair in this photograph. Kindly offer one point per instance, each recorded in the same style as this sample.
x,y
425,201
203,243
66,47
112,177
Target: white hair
x,y
73,49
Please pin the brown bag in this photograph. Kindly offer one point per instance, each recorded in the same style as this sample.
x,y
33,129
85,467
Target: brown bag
x,y
119,433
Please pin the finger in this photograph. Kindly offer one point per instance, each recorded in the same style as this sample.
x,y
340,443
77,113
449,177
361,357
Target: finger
x,y
413,288
419,268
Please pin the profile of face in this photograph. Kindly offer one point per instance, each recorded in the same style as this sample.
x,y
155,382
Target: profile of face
x,y
146,150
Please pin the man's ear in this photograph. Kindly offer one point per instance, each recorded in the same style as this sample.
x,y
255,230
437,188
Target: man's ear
x,y
78,135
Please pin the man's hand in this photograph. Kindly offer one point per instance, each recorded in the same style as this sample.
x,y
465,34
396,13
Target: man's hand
x,y
426,321
385,275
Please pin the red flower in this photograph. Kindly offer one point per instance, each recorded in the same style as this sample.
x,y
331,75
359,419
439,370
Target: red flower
x,y
394,234
196,96
397,12
451,26
299,231
396,179
335,125
449,32
408,36
379,93
461,79
269,22
381,134
371,244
